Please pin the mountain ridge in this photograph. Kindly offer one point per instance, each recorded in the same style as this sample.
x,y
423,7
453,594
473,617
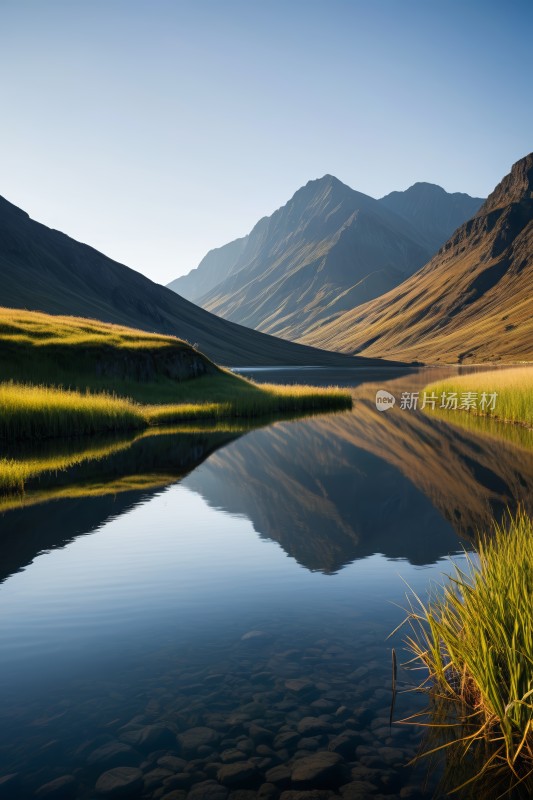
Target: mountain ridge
x,y
330,248
471,302
43,269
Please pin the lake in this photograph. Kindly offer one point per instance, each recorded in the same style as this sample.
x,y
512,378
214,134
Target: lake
x,y
206,614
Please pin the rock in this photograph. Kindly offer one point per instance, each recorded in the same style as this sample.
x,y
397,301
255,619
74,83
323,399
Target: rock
x,y
313,794
231,755
120,782
309,743
243,794
323,705
114,754
177,794
208,790
320,770
63,788
259,734
279,776
256,637
149,737
239,774
173,763
180,780
193,738
345,744
311,725
300,686
245,745
342,712
267,791
156,777
358,790
286,739
392,755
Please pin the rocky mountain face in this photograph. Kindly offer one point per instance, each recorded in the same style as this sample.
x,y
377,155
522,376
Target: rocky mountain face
x,y
472,302
44,270
328,250
434,213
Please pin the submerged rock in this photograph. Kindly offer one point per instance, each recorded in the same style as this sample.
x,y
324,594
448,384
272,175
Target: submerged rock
x,y
320,769
120,782
114,754
63,788
208,790
239,774
193,738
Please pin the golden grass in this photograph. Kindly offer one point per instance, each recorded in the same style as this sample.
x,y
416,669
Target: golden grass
x,y
36,412
41,330
475,642
514,388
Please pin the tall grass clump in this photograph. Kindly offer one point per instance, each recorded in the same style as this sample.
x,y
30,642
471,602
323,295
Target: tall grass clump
x,y
514,389
474,640
36,412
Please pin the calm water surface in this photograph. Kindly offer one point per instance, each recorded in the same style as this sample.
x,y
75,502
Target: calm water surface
x,y
211,611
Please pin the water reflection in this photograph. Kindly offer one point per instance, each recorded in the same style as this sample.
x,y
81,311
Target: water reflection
x,y
346,486
76,487
174,616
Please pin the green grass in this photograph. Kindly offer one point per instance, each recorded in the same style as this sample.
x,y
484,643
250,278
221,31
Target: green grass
x,y
69,376
514,389
34,412
46,330
39,412
474,639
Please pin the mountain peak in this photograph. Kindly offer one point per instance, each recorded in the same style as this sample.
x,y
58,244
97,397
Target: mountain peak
x,y
515,187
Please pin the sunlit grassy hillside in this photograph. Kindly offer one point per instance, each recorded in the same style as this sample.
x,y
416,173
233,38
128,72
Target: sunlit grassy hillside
x,y
513,390
67,376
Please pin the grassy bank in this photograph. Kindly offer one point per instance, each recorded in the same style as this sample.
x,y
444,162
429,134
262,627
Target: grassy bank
x,y
39,412
475,642
69,376
513,402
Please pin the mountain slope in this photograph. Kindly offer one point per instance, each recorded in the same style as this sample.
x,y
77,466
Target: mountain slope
x,y
212,269
434,213
44,270
472,302
326,251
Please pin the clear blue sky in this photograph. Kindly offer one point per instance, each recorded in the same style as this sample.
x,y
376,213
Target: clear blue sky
x,y
156,130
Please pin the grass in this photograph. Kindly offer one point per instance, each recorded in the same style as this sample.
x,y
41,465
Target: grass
x,y
37,412
70,376
34,412
45,330
474,639
514,389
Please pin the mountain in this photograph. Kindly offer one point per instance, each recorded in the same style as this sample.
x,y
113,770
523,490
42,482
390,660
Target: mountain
x,y
472,302
434,213
44,270
213,268
328,250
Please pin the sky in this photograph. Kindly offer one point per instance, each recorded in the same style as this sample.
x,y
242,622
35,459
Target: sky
x,y
157,130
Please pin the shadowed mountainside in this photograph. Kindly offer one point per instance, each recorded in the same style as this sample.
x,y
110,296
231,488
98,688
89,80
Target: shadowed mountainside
x,y
44,270
327,250
472,302
432,211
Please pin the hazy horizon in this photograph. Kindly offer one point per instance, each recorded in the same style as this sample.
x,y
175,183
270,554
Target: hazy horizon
x,y
157,132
